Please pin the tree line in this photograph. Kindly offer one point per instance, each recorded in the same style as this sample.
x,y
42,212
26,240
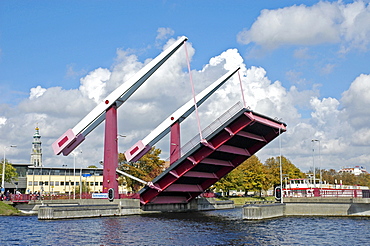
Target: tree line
x,y
251,175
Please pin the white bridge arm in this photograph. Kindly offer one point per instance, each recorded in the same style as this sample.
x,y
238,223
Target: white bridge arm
x,y
143,146
73,137
150,184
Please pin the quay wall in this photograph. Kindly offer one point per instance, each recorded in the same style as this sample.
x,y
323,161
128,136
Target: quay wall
x,y
327,206
200,204
263,211
309,207
69,209
89,208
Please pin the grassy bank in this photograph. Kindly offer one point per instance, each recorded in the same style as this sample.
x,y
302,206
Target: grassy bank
x,y
6,209
240,201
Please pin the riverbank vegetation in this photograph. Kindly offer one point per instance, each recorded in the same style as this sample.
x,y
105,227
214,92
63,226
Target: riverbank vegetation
x,y
254,176
6,209
251,176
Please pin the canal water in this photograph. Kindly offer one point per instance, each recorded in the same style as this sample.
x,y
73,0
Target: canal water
x,y
222,227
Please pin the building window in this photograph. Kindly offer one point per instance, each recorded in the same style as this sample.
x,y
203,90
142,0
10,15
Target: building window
x,y
46,182
51,183
56,183
62,183
96,183
67,183
30,183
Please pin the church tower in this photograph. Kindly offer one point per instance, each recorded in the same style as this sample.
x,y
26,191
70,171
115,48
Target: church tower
x,y
36,155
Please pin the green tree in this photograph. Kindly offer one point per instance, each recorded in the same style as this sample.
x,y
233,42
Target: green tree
x,y
92,166
10,172
252,173
231,181
272,171
363,179
333,177
248,176
329,175
147,168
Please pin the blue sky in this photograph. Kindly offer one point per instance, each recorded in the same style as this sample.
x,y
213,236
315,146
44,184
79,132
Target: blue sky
x,y
310,51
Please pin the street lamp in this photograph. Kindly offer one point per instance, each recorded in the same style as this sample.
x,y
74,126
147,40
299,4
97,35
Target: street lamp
x,y
281,170
313,160
3,175
74,174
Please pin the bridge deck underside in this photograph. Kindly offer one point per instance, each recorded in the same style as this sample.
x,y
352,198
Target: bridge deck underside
x,y
226,148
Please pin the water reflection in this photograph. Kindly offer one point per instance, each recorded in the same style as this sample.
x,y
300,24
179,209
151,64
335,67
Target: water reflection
x,y
198,228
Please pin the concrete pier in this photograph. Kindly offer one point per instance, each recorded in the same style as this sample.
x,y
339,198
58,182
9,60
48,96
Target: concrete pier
x,y
88,208
199,204
69,209
327,206
309,207
263,211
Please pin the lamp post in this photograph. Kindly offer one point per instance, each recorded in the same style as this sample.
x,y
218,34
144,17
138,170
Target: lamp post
x,y
313,160
74,174
3,175
65,177
281,171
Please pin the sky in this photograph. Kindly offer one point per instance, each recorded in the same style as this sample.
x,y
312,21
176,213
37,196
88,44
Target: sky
x,y
304,62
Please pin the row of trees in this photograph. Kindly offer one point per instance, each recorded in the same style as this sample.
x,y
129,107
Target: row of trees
x,y
251,175
333,177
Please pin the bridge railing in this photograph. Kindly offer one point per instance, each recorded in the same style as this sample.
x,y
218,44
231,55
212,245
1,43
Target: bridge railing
x,y
35,197
212,127
317,192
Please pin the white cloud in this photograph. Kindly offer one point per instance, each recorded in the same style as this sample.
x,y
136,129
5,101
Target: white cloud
x,y
93,85
2,121
164,33
356,102
324,22
36,92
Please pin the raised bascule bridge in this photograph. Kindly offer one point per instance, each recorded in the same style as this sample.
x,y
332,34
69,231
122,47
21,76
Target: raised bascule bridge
x,y
230,140
195,167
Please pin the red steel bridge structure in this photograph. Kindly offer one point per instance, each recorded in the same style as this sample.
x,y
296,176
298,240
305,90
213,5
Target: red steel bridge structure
x,y
217,150
229,140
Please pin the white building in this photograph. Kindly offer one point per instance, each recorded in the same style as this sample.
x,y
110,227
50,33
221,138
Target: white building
x,y
357,170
